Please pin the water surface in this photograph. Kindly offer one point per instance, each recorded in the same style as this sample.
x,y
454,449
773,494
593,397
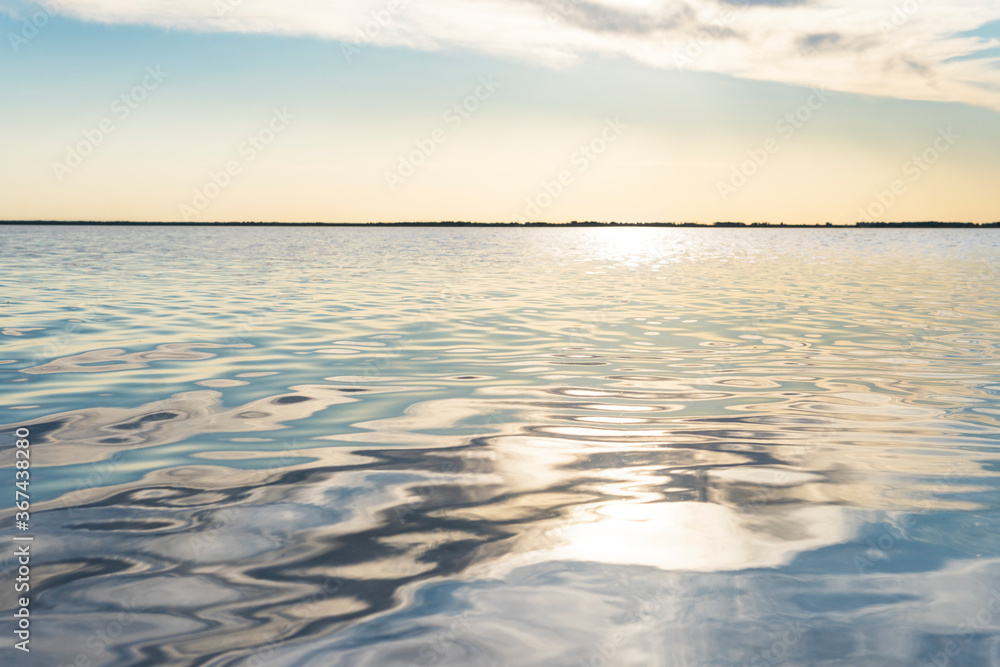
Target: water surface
x,y
506,447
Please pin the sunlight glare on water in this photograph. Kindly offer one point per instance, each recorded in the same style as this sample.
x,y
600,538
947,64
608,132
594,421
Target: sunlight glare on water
x,y
507,447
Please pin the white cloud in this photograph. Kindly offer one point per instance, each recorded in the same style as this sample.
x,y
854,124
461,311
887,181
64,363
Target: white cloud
x,y
898,48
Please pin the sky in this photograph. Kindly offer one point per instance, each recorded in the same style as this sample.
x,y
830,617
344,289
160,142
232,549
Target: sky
x,y
795,111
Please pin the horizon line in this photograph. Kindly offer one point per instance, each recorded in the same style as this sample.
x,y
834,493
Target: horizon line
x,y
460,223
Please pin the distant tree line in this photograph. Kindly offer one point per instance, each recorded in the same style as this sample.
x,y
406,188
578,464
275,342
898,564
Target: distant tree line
x,y
460,223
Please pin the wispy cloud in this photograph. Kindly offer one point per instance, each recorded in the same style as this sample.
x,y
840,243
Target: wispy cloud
x,y
911,49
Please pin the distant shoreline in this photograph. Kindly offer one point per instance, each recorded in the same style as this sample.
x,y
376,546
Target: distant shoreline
x,y
737,225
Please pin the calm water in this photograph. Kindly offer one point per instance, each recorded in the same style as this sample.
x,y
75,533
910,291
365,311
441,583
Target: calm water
x,y
351,447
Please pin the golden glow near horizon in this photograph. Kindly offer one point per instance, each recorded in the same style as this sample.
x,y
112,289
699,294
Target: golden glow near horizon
x,y
609,110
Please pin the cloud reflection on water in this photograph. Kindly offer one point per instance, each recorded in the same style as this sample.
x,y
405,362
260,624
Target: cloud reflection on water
x,y
518,474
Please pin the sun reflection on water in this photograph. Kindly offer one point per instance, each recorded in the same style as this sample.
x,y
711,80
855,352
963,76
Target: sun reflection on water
x,y
525,438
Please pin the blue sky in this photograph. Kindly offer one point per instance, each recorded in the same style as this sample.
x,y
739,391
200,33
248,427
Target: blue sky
x,y
589,111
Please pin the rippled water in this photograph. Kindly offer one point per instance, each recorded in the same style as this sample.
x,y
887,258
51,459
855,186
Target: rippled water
x,y
516,447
